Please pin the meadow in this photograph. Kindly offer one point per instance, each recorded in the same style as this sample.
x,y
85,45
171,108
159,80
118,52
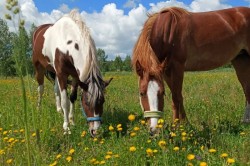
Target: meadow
x,y
214,103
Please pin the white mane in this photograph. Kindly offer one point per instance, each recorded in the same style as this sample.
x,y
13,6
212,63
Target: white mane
x,y
95,87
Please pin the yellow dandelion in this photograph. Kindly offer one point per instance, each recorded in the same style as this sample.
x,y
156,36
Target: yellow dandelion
x,y
119,129
2,151
143,122
5,138
95,139
33,134
149,152
23,140
132,134
92,160
102,141
159,126
58,156
111,128
83,133
242,133
108,157
96,162
119,126
5,132
69,158
183,134
190,156
172,134
9,161
116,155
212,150
131,117
1,129
155,151
160,121
149,141
202,147
71,151
109,153
230,161
53,164
183,138
203,163
162,143
176,148
11,140
176,120
132,149
136,128
102,162
224,155
190,164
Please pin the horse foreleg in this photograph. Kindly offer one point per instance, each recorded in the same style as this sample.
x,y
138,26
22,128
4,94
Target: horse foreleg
x,y
242,67
73,97
175,81
40,79
58,97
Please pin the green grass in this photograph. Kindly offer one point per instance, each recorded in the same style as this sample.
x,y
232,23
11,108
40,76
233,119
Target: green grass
x,y
214,103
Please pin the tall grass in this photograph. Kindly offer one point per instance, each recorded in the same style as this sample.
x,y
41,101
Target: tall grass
x,y
214,103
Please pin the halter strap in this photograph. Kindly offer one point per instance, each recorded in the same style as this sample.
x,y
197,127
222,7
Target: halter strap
x,y
89,119
153,114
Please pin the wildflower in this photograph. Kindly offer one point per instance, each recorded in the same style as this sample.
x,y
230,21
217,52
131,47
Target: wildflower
x,y
132,149
183,134
230,161
52,130
176,148
132,134
212,150
162,143
172,134
202,147
108,157
149,152
111,128
119,129
102,162
131,117
242,133
69,158
149,141
136,128
119,126
5,132
183,138
190,164
9,161
159,126
224,155
71,151
160,121
102,141
92,160
1,129
95,139
2,151
23,140
143,122
190,156
83,134
58,156
109,153
203,163
176,120
33,134
11,140
53,164
116,155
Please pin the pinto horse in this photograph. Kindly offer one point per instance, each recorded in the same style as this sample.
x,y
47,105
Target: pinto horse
x,y
66,48
174,40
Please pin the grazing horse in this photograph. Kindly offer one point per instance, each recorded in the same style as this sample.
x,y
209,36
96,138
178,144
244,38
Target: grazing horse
x,y
174,40
67,49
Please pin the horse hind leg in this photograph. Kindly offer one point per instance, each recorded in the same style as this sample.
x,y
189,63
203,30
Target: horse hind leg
x,y
73,97
40,79
242,66
58,97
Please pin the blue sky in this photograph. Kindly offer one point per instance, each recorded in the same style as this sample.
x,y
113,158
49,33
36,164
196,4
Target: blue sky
x,y
91,6
114,24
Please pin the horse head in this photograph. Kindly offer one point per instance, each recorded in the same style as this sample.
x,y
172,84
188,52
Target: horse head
x,y
151,91
92,104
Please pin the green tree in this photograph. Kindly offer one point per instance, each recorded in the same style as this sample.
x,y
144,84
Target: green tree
x,y
102,60
118,63
127,63
6,61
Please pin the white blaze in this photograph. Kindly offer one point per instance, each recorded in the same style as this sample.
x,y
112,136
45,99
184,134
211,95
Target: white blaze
x,y
152,92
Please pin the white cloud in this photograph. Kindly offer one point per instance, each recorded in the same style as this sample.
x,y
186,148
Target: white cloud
x,y
112,29
130,4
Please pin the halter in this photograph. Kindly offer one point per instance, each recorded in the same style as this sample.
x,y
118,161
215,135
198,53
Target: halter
x,y
89,119
153,114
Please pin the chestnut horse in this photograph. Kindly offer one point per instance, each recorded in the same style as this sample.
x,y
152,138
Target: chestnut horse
x,y
67,49
174,40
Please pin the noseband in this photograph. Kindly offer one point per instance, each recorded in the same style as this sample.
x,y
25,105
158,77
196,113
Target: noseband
x,y
153,114
90,119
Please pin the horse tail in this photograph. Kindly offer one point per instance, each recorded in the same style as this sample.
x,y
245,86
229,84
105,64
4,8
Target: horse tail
x,y
143,52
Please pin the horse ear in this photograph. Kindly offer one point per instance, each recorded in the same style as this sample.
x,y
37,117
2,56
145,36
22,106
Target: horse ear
x,y
139,69
84,86
106,83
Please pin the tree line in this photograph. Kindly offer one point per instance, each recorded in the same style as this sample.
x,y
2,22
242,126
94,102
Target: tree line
x,y
8,44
